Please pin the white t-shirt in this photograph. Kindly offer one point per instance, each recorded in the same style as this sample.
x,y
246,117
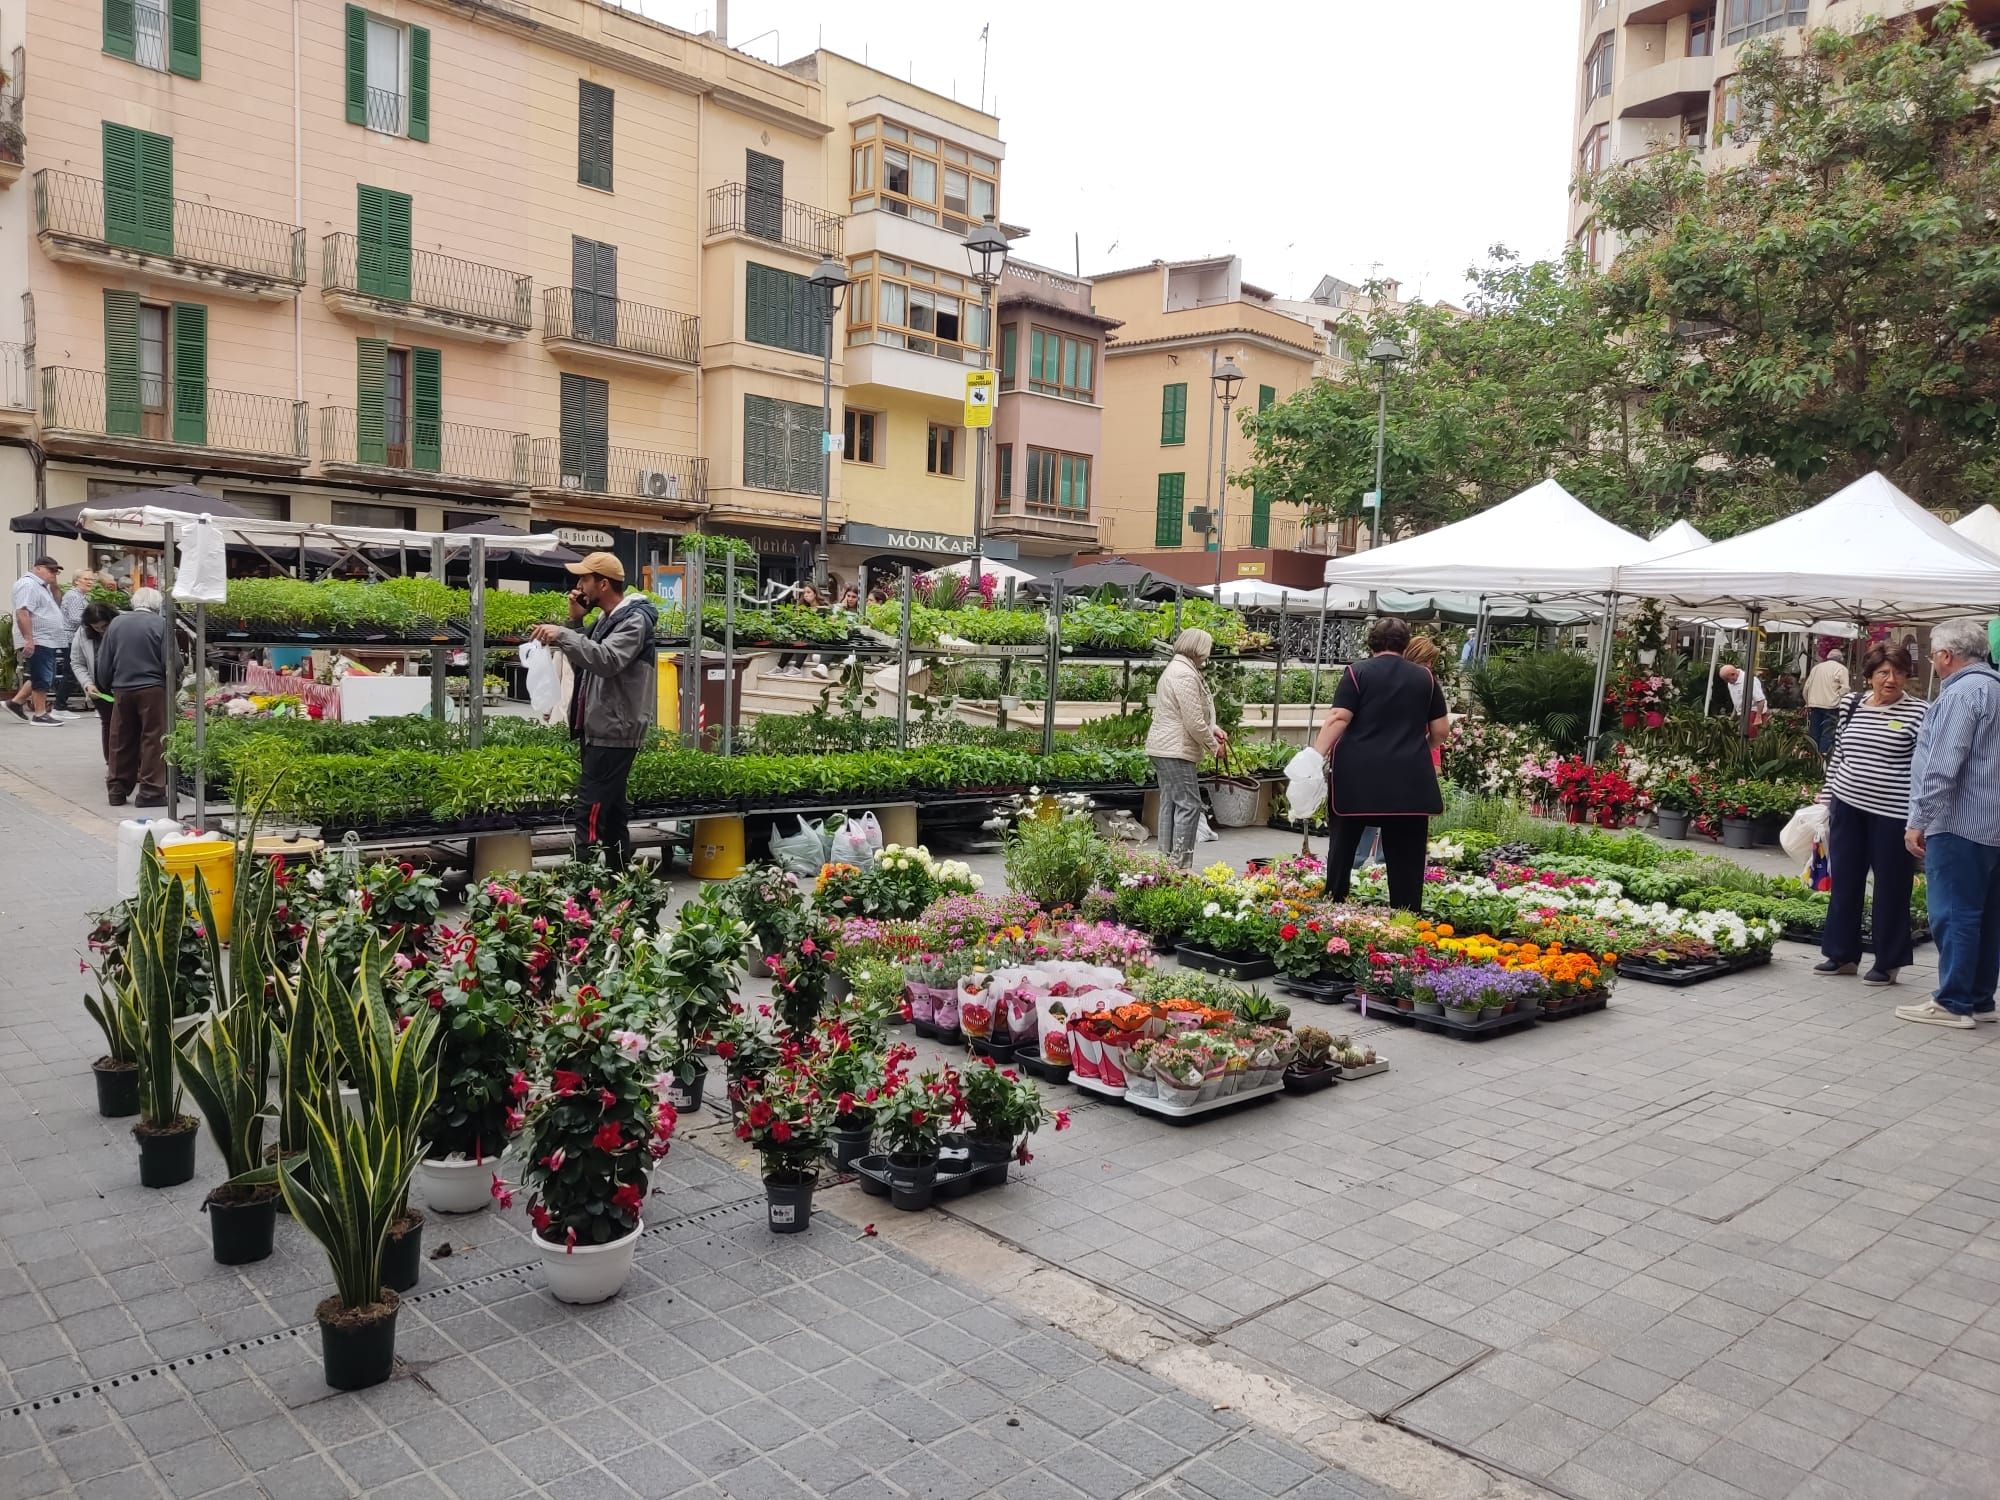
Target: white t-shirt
x,y
33,595
1736,693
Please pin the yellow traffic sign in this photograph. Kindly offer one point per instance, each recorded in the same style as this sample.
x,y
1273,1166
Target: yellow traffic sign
x,y
979,386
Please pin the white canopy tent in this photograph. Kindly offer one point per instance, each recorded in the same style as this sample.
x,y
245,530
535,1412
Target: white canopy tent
x,y
1981,526
1682,536
1000,571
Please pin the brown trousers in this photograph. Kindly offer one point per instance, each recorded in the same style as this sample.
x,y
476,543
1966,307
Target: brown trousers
x,y
138,744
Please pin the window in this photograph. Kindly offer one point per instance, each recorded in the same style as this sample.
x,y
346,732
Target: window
x,y
164,35
783,309
138,189
1168,516
593,134
388,517
941,451
398,406
585,445
1060,365
1058,481
1701,33
1590,240
916,176
908,306
1173,415
1732,122
155,369
1597,69
1003,486
781,445
1694,132
1009,344
1748,18
382,243
267,506
764,195
388,75
860,432
1596,151
593,295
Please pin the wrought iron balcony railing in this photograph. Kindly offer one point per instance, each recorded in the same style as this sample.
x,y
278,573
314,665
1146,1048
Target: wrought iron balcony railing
x,y
150,409
199,241
571,316
664,479
735,208
450,451
486,301
13,138
386,110
14,378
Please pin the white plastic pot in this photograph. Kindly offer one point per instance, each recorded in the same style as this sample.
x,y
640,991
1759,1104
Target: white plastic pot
x,y
455,1184
587,1273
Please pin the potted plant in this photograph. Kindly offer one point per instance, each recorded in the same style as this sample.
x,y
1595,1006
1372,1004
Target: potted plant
x,y
149,1000
1676,799
483,1055
1730,806
699,965
116,1073
1002,1110
852,1075
801,980
784,1120
1311,1068
912,1119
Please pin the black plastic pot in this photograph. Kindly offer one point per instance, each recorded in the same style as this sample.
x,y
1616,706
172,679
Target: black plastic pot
x,y
991,1156
923,1028
1309,1080
166,1156
117,1088
359,1349
950,1036
242,1228
1766,828
912,1179
788,1204
843,1146
998,1051
403,1254
685,1094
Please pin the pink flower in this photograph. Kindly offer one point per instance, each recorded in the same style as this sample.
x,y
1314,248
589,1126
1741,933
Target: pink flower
x,y
402,961
629,1041
808,947
515,1119
501,1195
554,1160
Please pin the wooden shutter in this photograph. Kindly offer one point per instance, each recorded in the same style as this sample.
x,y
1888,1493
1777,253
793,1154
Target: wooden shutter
x,y
594,122
357,65
396,246
190,373
586,430
1167,518
764,195
802,476
121,363
757,435
766,313
156,192
1173,414
420,84
184,38
426,410
121,185
1003,484
382,243
594,290
1260,498
368,239
121,30
370,397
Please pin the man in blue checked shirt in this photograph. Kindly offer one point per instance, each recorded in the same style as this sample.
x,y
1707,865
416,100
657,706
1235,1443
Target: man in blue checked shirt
x,y
1954,827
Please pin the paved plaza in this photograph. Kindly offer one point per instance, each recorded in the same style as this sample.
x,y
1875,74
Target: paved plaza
x,y
1731,1241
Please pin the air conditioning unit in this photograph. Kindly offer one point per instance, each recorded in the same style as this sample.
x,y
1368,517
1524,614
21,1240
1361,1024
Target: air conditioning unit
x,y
659,484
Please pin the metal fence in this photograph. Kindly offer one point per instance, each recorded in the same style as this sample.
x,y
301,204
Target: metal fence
x,y
484,454
202,234
633,327
384,110
152,410
631,473
441,284
736,208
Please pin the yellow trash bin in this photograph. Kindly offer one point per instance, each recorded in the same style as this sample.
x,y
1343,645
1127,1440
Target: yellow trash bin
x,y
216,860
667,710
716,852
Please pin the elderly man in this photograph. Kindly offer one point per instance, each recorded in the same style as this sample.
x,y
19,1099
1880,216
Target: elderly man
x,y
131,666
1954,827
39,635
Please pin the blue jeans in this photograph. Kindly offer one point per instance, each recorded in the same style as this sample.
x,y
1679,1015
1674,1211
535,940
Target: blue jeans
x,y
1963,884
1819,729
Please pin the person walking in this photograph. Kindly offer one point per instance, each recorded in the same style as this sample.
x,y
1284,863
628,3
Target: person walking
x,y
1954,827
39,633
75,600
1827,687
92,622
131,665
1184,732
613,705
1873,738
1388,715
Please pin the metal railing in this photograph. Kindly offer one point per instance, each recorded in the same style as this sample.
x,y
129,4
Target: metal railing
x,y
220,239
734,208
384,110
486,455
632,327
630,473
13,137
153,410
149,18
14,378
441,285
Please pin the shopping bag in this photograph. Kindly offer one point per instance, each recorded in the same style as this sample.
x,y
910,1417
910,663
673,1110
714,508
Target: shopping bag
x,y
802,853
203,576
544,681
1305,784
1819,871
854,841
1806,828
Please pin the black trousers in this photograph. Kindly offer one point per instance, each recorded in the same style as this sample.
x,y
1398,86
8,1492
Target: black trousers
x,y
1858,844
603,807
1404,842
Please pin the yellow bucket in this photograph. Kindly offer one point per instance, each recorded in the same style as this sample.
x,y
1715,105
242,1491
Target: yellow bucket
x,y
215,859
716,852
667,712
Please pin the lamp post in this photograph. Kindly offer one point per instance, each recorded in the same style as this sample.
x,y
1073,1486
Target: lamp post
x,y
1226,381
1383,353
830,279
986,254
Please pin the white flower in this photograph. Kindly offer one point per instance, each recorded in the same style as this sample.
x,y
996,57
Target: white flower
x,y
317,880
1214,908
978,882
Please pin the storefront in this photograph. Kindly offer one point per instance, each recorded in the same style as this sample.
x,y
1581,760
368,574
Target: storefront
x,y
883,551
784,558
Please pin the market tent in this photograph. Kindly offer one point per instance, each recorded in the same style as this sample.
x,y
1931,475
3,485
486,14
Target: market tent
x,y
1115,571
989,566
66,521
1869,552
1677,538
1981,526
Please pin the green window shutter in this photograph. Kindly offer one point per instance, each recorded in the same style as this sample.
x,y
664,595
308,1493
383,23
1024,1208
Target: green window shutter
x,y
1167,518
396,246
420,83
382,243
156,192
1003,488
370,398
1009,341
121,29
764,195
757,311
1173,414
368,239
190,403
586,430
757,435
357,65
121,185
426,410
1260,499
782,309
184,38
594,122
121,363
1267,396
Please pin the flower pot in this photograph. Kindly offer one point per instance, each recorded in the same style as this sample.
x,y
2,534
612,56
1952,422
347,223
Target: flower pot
x,y
788,1205
1406,1002
1766,827
587,1273
912,1179
844,1146
993,1154
1574,812
350,1100
1654,718
117,1088
1673,825
1308,1080
456,1184
1739,833
357,1345
1429,1008
923,1004
242,1225
403,1252
685,1094
1177,1095
1607,817
166,1152
1466,1015
1235,804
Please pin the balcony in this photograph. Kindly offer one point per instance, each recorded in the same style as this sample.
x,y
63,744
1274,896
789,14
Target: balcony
x,y
444,295
13,138
17,407
149,417
224,253
450,457
1043,529
1667,90
590,328
799,227
645,485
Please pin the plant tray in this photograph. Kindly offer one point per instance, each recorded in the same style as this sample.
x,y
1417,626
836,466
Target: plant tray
x,y
1172,1112
1229,968
1348,1075
1048,1072
1682,976
956,1175
1919,935
1478,1030
1319,991
1577,1008
1096,1086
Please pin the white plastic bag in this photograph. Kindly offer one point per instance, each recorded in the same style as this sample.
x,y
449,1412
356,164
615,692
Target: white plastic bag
x,y
1305,784
544,681
802,853
1807,827
855,840
203,575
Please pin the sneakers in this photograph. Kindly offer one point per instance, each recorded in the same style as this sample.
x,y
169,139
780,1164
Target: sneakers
x,y
19,710
1930,1013
819,670
116,799
1834,966
1879,976
49,720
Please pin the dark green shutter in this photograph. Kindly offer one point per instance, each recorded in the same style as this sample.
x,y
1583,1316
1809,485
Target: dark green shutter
x,y
121,30
1173,414
594,134
357,65
593,298
184,38
782,309
370,398
156,192
1009,343
396,246
121,363
190,370
382,243
806,458
757,436
426,410
420,83
368,240
1260,498
121,184
586,431
1003,487
1167,511
764,195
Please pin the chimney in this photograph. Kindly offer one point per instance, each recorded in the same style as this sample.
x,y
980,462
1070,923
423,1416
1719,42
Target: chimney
x,y
722,21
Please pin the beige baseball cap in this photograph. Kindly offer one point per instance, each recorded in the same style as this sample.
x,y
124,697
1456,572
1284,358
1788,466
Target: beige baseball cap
x,y
603,564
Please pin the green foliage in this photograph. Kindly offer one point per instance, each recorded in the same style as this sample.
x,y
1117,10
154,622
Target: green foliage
x,y
154,988
1056,858
1548,692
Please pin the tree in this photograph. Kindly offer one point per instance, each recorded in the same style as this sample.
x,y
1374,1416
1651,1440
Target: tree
x,y
1832,306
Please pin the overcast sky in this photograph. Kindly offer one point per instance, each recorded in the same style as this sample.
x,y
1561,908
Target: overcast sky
x,y
1355,137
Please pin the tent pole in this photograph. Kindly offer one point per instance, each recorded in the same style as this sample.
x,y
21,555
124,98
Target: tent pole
x,y
1714,664
172,685
728,652
1052,671
1278,671
903,669
475,640
440,656
1603,676
1319,655
1750,670
1006,671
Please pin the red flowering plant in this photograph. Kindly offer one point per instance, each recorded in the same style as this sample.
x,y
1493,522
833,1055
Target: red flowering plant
x,y
746,1050
598,1122
801,977
916,1110
483,1036
785,1115
1003,1109
1308,948
854,1071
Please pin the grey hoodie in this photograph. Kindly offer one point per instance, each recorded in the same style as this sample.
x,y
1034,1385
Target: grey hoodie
x,y
617,681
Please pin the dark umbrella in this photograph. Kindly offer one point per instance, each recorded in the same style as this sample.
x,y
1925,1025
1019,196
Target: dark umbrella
x,y
1115,571
67,520
503,561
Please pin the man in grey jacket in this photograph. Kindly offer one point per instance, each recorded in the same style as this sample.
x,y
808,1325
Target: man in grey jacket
x,y
131,666
617,684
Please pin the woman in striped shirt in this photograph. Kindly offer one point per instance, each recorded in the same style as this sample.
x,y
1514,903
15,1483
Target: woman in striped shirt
x,y
1868,789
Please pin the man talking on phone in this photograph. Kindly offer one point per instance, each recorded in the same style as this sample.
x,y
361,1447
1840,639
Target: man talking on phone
x,y
617,683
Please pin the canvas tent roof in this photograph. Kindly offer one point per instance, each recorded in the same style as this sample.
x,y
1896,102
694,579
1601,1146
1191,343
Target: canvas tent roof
x,y
145,525
1679,537
1981,526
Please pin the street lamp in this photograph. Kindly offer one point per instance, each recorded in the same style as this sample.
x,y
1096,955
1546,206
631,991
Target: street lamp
x,y
1226,381
986,255
831,280
1383,353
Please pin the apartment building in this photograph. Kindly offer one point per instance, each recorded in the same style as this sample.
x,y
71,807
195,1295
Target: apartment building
x,y
1178,323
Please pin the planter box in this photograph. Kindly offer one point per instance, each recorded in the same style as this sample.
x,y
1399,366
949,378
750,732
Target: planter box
x,y
1486,1026
1680,976
1348,1075
957,1174
1169,1111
